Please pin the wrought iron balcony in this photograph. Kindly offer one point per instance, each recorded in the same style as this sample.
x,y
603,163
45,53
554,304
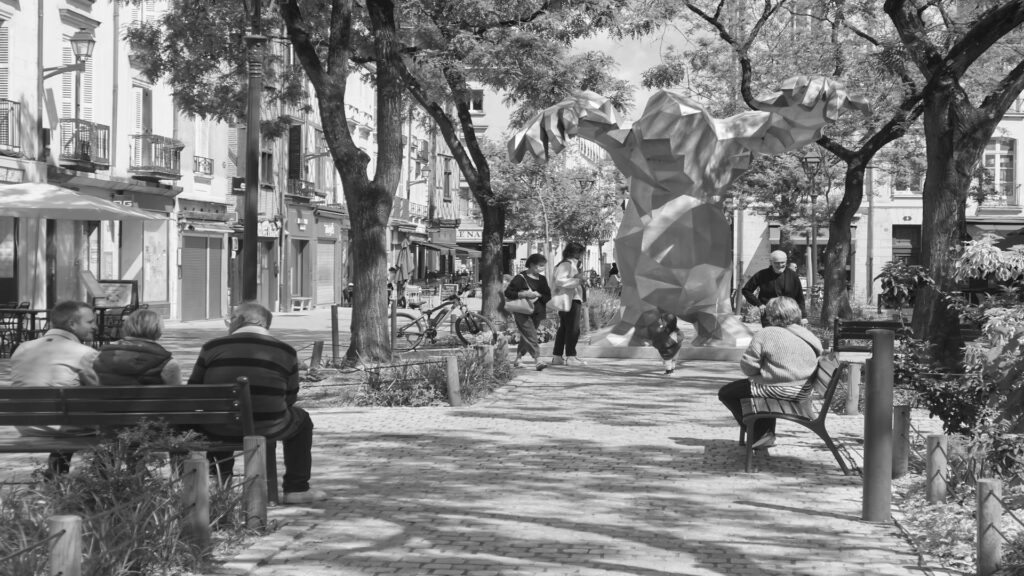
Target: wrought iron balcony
x,y
84,146
10,127
155,157
304,189
202,165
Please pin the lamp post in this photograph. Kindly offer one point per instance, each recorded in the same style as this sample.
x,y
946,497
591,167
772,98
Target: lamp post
x,y
250,240
82,44
811,163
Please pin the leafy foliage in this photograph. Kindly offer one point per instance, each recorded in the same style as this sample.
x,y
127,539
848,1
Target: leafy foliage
x,y
900,282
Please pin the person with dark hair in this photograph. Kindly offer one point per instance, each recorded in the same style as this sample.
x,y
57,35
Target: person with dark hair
x,y
272,368
667,340
531,286
777,364
58,358
614,283
137,359
570,290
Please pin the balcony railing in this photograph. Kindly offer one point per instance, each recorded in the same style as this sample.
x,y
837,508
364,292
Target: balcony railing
x,y
202,165
304,189
155,157
84,146
10,126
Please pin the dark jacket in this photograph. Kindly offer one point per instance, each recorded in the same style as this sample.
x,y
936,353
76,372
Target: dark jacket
x,y
767,285
521,283
131,362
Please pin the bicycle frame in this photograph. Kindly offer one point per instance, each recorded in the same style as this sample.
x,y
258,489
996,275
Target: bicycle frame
x,y
445,308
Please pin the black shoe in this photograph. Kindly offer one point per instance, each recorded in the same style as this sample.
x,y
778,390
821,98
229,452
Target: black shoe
x,y
669,371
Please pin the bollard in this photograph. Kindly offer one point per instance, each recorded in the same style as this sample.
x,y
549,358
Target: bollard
x,y
900,441
937,468
66,550
852,407
318,354
254,493
878,429
335,341
486,353
454,393
394,323
990,537
196,493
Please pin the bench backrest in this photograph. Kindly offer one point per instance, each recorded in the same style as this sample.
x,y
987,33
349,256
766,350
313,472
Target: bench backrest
x,y
844,330
830,388
191,405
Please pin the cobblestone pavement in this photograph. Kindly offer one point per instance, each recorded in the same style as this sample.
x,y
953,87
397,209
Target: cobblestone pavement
x,y
608,469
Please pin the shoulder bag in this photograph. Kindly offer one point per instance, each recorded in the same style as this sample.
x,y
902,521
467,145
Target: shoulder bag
x,y
521,305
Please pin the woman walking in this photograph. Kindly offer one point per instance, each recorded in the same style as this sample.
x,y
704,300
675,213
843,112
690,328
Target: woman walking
x,y
569,294
529,291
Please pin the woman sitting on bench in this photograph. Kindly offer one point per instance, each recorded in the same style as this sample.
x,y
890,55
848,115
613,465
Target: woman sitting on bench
x,y
778,362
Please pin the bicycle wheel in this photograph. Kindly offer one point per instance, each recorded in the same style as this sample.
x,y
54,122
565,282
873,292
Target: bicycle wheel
x,y
410,331
472,328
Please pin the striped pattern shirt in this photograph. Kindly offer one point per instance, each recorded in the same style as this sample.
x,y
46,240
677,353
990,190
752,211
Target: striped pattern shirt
x,y
271,366
779,361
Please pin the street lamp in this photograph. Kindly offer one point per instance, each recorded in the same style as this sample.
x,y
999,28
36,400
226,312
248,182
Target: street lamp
x,y
811,163
82,44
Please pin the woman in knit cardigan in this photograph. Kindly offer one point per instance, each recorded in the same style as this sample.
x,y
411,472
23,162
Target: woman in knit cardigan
x,y
780,359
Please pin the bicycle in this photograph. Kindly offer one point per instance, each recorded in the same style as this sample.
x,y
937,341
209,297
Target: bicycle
x,y
471,327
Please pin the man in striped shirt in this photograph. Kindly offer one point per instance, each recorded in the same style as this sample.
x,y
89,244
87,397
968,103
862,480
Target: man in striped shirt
x,y
272,368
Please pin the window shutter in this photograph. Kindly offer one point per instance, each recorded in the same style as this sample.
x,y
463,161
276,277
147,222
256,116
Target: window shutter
x,y
67,86
87,91
5,40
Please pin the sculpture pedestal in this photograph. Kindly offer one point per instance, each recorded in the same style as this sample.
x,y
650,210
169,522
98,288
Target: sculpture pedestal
x,y
597,345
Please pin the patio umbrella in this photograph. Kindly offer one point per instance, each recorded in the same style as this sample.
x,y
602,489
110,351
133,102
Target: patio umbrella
x,y
38,200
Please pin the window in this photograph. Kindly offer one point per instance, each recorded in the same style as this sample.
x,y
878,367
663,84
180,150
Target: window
x,y
476,101
998,163
908,176
267,168
447,184
68,87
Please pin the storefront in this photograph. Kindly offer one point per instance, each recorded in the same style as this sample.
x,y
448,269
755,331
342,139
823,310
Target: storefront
x,y
332,253
203,259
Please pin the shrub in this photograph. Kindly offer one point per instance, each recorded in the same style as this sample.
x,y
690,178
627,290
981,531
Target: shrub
x,y
425,383
131,510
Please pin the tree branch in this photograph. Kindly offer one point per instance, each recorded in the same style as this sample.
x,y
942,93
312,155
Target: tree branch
x,y
983,33
913,31
300,39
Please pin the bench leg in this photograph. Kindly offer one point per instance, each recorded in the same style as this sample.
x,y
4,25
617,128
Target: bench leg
x,y
823,434
743,436
272,490
750,446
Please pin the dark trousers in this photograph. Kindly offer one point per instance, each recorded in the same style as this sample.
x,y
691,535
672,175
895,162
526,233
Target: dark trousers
x,y
297,443
59,463
568,330
529,341
731,394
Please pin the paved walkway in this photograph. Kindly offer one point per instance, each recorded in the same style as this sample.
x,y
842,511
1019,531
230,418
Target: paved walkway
x,y
608,469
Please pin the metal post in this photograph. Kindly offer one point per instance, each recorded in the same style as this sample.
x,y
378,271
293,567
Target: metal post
x,y
878,429
335,343
452,373
901,441
936,468
990,545
812,274
853,381
250,239
65,550
78,110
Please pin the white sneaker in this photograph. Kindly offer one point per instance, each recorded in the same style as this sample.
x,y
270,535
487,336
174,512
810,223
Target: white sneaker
x,y
557,361
574,361
303,497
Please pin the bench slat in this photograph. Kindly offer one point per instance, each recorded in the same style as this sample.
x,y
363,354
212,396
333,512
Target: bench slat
x,y
30,405
192,391
114,419
36,444
154,405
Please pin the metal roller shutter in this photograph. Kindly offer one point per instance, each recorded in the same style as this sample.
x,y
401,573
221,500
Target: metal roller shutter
x,y
216,278
325,273
193,278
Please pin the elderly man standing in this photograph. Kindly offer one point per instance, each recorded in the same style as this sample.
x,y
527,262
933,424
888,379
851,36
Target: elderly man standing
x,y
58,358
775,280
272,368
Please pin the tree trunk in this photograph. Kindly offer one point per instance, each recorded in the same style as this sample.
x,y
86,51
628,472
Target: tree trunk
x,y
491,265
371,326
836,302
953,154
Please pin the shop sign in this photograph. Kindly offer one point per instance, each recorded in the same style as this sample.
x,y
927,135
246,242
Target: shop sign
x,y
328,228
469,234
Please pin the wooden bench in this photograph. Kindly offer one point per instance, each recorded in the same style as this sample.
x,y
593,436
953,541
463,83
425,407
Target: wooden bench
x,y
852,335
301,303
825,381
109,407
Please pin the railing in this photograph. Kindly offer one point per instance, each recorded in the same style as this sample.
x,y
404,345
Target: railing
x,y
155,157
84,145
10,126
421,210
304,189
202,165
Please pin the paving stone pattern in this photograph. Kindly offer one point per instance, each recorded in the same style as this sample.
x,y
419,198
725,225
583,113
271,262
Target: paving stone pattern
x,y
607,469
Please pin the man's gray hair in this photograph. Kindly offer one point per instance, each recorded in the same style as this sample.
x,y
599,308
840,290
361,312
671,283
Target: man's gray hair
x,y
250,314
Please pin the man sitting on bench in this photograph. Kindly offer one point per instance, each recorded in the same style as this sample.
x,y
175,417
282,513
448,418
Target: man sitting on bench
x,y
58,358
273,371
778,362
